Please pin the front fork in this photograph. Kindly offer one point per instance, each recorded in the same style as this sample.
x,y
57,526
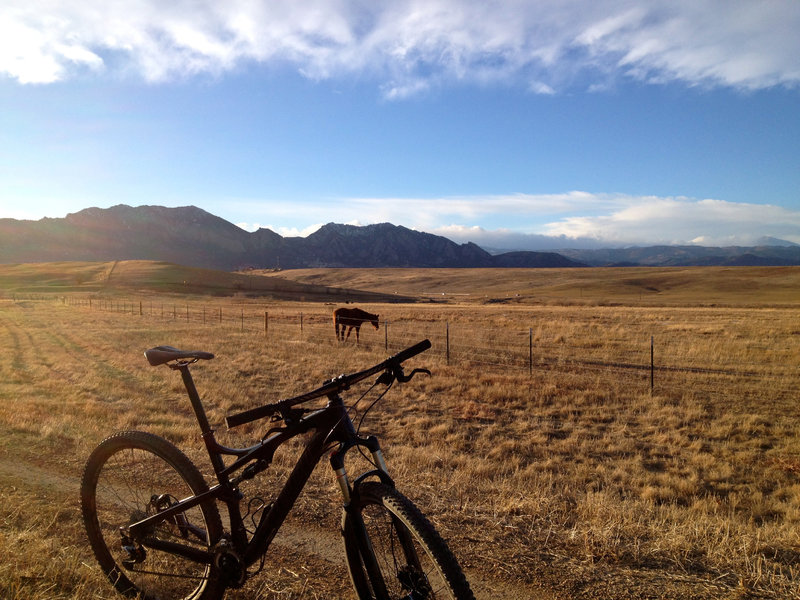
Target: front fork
x,y
337,463
359,531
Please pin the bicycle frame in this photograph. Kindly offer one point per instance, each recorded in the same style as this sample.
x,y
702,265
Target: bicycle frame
x,y
331,425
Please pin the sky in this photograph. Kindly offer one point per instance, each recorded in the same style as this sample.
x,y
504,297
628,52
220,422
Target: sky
x,y
515,124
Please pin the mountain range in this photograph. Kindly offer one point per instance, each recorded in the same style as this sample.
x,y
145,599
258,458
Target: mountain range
x,y
777,253
193,237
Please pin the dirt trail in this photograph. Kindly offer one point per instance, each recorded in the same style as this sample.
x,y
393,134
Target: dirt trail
x,y
298,552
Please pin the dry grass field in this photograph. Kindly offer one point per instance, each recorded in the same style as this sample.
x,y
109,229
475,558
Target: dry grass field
x,y
678,286
564,476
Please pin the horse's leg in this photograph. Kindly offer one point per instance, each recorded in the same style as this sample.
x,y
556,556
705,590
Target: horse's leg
x,y
349,329
358,327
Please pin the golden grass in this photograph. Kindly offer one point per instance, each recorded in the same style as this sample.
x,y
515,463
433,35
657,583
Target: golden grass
x,y
630,285
644,286
573,477
122,277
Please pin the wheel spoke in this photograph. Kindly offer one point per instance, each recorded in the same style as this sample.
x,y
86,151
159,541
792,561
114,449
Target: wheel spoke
x,y
133,476
414,561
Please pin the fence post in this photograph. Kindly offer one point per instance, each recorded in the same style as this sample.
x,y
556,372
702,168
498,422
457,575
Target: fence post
x,y
447,342
652,366
386,335
530,351
266,322
140,308
242,319
301,324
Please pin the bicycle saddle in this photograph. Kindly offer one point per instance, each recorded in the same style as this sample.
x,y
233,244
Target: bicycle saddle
x,y
164,354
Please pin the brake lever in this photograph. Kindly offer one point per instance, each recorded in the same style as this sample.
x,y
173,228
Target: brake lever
x,y
389,376
402,378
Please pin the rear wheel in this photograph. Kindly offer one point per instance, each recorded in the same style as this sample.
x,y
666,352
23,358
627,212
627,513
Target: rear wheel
x,y
412,561
133,475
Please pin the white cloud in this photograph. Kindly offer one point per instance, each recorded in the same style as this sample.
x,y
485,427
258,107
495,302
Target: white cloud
x,y
282,231
705,43
683,221
537,87
574,219
249,226
22,211
507,239
410,45
428,212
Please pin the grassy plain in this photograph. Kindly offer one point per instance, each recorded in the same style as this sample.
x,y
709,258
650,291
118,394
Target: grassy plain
x,y
565,476
684,286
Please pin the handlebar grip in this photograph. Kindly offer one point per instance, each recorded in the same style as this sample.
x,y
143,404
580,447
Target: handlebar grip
x,y
249,416
404,355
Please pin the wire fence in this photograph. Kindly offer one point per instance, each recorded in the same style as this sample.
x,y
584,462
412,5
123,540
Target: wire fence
x,y
646,361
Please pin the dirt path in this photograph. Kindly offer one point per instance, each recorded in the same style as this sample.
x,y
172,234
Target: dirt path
x,y
303,561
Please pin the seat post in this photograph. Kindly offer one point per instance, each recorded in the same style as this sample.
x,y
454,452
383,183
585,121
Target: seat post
x,y
194,398
202,419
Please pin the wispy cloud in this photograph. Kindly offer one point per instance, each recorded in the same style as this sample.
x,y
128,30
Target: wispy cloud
x,y
683,221
283,231
552,221
524,209
411,45
627,220
428,212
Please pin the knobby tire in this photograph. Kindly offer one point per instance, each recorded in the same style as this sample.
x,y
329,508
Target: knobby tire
x,y
123,476
413,559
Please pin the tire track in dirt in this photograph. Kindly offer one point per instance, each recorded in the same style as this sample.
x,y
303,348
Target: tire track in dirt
x,y
303,555
18,369
30,353
76,363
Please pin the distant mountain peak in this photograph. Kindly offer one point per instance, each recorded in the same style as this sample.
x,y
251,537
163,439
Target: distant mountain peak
x,y
772,241
191,236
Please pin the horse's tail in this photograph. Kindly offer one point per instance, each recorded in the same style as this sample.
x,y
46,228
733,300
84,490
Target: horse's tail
x,y
336,324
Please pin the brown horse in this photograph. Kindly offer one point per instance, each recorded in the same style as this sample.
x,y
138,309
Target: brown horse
x,y
351,318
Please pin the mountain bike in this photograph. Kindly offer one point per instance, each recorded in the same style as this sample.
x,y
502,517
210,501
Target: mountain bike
x,y
154,523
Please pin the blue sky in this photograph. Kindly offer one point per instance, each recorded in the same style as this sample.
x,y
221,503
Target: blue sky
x,y
513,124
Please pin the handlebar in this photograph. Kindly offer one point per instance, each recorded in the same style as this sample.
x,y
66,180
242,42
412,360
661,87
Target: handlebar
x,y
331,387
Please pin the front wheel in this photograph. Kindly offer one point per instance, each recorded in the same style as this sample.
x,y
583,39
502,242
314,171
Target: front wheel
x,y
133,475
398,555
